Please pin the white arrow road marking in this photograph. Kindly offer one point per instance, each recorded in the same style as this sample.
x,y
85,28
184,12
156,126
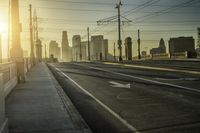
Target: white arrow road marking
x,y
119,85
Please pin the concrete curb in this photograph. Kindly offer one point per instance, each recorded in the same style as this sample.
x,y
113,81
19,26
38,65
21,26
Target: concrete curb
x,y
77,119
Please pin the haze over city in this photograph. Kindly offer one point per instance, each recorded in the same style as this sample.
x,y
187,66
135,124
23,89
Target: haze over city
x,y
156,19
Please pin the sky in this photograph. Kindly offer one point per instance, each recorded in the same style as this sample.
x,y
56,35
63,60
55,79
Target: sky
x,y
156,19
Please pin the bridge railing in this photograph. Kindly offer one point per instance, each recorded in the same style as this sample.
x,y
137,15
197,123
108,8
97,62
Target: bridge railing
x,y
8,80
3,119
9,72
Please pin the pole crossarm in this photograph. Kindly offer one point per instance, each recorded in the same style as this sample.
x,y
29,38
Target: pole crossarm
x,y
113,20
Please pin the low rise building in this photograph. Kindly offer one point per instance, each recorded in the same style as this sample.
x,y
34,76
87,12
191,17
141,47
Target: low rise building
x,y
181,44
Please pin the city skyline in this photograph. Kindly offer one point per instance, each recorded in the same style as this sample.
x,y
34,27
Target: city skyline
x,y
76,16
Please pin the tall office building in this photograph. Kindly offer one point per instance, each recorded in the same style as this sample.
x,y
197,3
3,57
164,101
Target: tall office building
x,y
76,48
84,49
97,47
128,48
54,49
66,53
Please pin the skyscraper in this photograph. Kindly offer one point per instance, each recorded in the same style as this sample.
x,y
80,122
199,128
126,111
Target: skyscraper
x,y
54,49
128,48
76,44
66,53
97,47
84,49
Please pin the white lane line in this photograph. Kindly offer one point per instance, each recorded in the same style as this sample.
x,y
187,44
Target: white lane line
x,y
147,80
102,104
156,68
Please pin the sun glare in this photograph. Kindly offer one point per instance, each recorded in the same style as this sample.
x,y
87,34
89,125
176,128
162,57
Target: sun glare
x,y
3,28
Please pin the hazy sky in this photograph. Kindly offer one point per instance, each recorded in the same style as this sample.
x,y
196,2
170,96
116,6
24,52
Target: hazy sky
x,y
155,18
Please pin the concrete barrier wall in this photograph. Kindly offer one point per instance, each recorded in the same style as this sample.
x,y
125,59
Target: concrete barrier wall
x,y
8,80
9,72
181,55
3,119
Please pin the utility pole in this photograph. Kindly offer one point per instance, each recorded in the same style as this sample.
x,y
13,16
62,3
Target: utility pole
x,y
114,53
119,31
8,54
80,52
38,43
45,52
88,30
31,37
139,55
36,26
114,19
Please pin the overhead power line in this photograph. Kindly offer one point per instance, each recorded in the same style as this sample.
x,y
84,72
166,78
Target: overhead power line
x,y
103,3
73,9
142,6
161,12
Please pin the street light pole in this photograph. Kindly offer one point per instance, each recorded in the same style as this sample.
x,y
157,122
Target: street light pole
x,y
88,30
139,55
114,53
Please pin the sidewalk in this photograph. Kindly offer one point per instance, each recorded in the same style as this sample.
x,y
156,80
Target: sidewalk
x,y
41,106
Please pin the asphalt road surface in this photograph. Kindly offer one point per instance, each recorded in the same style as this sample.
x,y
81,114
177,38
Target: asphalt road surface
x,y
116,98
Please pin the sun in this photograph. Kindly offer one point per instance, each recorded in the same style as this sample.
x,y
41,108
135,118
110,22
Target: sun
x,y
3,28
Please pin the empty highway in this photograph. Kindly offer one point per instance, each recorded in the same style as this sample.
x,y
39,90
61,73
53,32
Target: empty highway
x,y
117,98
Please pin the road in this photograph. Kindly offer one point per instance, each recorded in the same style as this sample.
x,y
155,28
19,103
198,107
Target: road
x,y
116,98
